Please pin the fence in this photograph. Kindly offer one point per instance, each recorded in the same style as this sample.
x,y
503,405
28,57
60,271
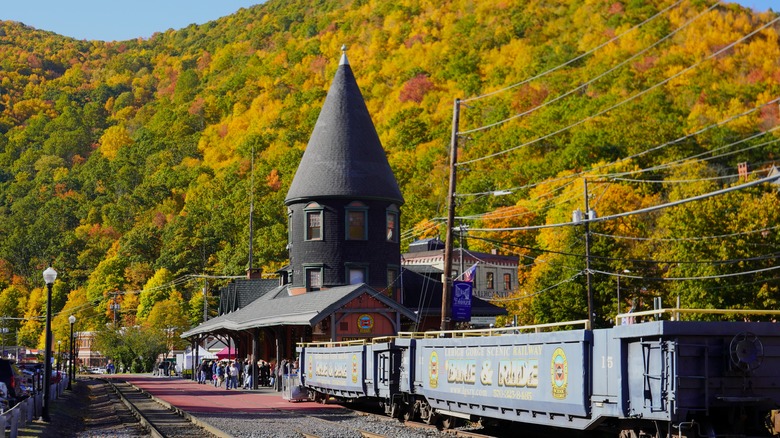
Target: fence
x,y
29,409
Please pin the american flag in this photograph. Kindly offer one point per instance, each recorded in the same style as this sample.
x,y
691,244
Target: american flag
x,y
471,273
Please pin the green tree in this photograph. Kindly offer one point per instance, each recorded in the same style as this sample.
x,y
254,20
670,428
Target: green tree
x,y
155,290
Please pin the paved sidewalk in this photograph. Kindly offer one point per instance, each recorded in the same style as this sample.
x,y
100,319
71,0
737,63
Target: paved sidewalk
x,y
194,398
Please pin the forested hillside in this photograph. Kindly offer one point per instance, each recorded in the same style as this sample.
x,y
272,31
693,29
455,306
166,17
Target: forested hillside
x,y
127,165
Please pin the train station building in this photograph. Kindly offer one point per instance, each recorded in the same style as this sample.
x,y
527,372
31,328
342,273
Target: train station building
x,y
345,278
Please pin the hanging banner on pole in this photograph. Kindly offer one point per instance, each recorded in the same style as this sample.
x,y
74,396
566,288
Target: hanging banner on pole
x,y
461,301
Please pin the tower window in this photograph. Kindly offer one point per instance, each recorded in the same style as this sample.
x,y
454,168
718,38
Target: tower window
x,y
357,275
507,281
392,277
313,279
392,224
489,284
313,221
356,221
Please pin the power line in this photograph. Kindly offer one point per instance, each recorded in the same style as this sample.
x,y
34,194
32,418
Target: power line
x,y
593,80
682,161
683,181
707,277
624,101
634,261
573,60
635,212
522,297
682,239
653,149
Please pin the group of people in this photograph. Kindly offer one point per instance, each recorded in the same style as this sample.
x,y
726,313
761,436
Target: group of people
x,y
236,372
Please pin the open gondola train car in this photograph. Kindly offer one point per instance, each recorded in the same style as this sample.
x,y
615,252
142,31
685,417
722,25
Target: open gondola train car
x,y
653,378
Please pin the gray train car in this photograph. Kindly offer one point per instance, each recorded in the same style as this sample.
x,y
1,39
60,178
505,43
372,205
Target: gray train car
x,y
539,378
336,370
656,378
687,378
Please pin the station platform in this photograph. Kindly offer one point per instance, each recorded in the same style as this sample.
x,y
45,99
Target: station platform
x,y
192,397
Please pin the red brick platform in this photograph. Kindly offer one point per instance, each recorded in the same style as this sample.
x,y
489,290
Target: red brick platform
x,y
191,397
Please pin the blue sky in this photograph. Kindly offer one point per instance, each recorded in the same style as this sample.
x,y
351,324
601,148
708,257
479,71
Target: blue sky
x,y
118,21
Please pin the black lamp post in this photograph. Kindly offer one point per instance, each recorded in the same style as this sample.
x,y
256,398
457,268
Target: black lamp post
x,y
71,356
59,356
49,275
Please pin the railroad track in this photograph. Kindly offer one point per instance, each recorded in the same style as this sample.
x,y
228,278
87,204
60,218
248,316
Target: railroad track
x,y
158,418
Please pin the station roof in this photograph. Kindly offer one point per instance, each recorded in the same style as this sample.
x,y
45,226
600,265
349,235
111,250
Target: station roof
x,y
277,308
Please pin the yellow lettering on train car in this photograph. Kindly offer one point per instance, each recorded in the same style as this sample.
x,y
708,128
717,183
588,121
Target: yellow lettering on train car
x,y
520,373
461,371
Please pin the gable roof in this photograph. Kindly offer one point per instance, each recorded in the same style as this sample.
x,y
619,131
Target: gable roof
x,y
242,291
278,308
344,157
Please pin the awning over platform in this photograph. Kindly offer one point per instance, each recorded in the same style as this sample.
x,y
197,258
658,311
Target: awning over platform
x,y
278,308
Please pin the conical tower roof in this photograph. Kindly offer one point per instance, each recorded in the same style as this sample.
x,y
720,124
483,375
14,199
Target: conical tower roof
x,y
344,157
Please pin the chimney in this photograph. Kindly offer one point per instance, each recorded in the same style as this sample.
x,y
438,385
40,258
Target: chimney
x,y
254,273
494,251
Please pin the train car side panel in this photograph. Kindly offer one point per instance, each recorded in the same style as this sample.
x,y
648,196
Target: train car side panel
x,y
337,371
538,377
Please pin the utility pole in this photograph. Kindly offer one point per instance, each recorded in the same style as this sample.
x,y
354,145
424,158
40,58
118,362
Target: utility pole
x,y
206,299
115,306
591,310
250,260
446,296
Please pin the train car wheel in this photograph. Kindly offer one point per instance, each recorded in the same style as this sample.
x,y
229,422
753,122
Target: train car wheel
x,y
448,422
431,419
427,415
409,412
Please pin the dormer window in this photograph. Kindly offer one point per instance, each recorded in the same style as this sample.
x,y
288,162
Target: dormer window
x,y
356,218
313,213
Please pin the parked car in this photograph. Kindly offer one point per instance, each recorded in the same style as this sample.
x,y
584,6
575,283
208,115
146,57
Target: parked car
x,y
12,377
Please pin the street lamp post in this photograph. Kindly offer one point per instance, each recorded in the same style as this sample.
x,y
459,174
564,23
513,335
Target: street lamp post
x,y
3,331
59,355
49,275
72,356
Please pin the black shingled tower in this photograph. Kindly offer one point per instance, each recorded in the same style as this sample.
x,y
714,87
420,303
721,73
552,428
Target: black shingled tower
x,y
343,203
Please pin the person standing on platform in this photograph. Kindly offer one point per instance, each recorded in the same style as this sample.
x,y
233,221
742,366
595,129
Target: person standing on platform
x,y
200,372
248,366
233,371
208,373
220,375
281,370
264,373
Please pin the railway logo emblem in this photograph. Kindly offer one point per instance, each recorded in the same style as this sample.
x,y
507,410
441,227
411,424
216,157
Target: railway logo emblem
x,y
559,369
433,370
365,323
354,368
